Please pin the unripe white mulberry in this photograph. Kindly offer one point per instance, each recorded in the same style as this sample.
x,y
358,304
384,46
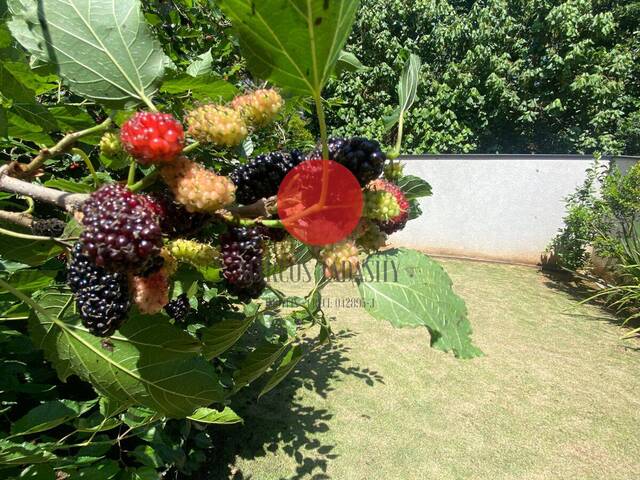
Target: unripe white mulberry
x,y
260,107
195,187
217,124
200,255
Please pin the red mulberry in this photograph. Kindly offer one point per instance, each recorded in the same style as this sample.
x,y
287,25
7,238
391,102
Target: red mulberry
x,y
152,137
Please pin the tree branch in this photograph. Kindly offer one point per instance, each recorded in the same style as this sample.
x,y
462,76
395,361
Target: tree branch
x,y
68,201
21,170
265,207
17,218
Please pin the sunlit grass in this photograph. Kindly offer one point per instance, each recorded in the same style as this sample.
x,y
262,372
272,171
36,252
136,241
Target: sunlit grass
x,y
555,397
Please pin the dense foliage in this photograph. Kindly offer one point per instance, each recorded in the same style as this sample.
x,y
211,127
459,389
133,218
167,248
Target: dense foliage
x,y
602,217
134,283
499,76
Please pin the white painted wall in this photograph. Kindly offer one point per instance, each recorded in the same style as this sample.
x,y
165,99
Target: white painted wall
x,y
502,207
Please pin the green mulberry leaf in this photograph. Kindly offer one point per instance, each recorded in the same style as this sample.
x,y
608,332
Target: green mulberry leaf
x,y
148,360
103,50
416,291
295,44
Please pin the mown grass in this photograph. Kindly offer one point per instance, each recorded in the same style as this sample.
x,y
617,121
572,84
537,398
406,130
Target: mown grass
x,y
557,395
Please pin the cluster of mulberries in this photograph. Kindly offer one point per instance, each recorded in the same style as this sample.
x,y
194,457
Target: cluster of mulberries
x,y
197,188
152,137
361,156
387,205
120,232
261,177
260,107
340,260
120,260
217,124
241,250
102,298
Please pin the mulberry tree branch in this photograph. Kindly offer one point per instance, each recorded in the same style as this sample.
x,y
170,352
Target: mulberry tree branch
x,y
265,207
29,169
17,218
66,200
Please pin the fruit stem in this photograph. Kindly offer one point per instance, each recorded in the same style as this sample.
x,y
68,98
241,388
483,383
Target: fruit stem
x,y
131,178
325,150
323,126
87,162
191,147
148,103
145,182
248,222
31,205
46,153
396,150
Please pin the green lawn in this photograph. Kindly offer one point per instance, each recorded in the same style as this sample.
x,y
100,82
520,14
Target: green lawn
x,y
557,395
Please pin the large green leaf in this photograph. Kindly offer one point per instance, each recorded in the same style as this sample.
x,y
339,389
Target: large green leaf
x,y
416,291
257,362
49,415
19,67
103,49
149,362
71,118
293,43
218,338
18,127
28,281
23,113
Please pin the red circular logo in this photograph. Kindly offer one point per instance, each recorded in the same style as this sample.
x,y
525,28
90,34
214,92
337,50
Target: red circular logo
x,y
320,202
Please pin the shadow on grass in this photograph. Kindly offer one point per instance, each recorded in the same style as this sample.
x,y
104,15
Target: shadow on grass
x,y
280,421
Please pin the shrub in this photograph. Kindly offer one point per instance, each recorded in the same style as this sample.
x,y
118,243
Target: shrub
x,y
602,214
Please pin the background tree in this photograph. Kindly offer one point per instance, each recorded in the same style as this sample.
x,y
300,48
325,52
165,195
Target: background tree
x,y
507,76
